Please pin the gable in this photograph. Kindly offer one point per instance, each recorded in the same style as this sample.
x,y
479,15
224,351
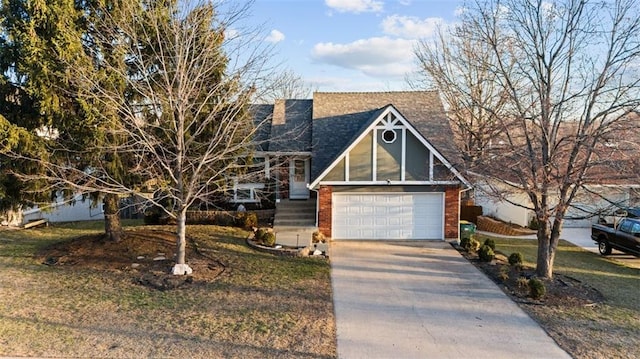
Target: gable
x,y
389,150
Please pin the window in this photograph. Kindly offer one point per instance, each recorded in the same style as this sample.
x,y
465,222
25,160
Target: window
x,y
247,192
625,226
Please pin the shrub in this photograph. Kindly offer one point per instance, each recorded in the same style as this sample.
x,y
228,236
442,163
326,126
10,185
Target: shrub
x,y
491,243
486,254
533,223
247,220
522,282
504,273
269,239
260,233
474,245
152,217
318,237
465,242
537,289
470,244
515,259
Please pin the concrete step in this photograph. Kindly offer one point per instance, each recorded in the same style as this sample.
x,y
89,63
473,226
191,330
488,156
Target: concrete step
x,y
294,215
281,209
299,222
296,204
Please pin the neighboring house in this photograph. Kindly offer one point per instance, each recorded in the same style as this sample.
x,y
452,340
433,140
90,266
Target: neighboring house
x,y
611,184
62,210
590,205
377,165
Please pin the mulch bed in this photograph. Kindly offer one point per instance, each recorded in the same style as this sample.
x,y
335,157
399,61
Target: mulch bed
x,y
561,290
146,256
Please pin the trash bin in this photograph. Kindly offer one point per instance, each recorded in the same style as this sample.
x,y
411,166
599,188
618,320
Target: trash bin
x,y
467,229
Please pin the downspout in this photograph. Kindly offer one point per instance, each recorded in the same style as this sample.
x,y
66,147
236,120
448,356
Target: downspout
x,y
317,204
460,208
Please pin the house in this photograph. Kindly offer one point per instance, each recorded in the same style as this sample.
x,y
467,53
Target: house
x,y
373,165
78,208
611,182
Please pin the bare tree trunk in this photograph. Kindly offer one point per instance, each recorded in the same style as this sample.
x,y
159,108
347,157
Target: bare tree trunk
x,y
181,240
112,225
546,249
181,267
544,264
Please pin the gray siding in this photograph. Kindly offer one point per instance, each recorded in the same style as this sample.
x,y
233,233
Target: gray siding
x,y
417,161
360,160
389,158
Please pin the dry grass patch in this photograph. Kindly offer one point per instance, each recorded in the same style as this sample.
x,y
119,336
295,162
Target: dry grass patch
x,y
91,302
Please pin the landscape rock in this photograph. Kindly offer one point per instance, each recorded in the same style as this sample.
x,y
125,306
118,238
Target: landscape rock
x,y
181,269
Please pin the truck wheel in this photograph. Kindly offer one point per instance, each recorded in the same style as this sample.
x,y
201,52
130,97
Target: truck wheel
x,y
604,248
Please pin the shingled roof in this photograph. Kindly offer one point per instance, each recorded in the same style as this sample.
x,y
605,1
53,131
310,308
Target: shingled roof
x,y
337,117
327,124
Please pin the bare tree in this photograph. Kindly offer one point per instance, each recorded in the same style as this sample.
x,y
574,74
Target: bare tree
x,y
284,85
566,74
183,124
457,64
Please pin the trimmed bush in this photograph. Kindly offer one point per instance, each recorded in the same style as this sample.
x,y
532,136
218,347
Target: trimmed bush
x,y
247,220
318,237
465,242
474,245
491,243
260,233
269,239
537,289
533,224
470,244
485,253
522,282
504,273
515,259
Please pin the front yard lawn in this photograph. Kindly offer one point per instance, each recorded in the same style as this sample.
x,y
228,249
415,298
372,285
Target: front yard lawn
x,y
239,303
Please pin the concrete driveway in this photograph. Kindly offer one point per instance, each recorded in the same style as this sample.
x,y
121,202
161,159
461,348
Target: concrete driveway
x,y
421,299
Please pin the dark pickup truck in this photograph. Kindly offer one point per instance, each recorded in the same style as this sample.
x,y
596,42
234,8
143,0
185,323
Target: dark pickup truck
x,y
625,236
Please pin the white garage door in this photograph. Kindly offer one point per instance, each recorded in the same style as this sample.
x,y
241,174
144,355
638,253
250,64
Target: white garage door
x,y
388,216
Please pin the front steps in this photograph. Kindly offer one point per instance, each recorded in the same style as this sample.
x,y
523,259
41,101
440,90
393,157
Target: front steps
x,y
295,213
295,222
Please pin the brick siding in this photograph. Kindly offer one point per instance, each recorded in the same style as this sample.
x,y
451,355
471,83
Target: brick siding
x,y
324,210
451,215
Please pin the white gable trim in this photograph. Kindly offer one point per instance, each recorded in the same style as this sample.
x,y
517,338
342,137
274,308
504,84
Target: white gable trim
x,y
372,127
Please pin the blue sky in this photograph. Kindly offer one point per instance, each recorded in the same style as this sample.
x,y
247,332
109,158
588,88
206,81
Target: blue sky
x,y
350,45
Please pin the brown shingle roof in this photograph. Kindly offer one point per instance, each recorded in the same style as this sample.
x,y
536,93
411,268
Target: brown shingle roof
x,y
423,109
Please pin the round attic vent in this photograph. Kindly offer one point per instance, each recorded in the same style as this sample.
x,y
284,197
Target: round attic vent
x,y
389,136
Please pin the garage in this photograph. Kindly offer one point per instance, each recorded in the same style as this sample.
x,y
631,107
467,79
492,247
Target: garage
x,y
388,216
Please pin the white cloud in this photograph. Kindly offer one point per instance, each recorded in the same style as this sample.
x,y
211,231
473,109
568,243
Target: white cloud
x,y
411,27
378,56
355,6
231,33
275,36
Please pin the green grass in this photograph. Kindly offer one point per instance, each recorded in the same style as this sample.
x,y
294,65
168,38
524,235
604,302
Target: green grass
x,y
261,306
